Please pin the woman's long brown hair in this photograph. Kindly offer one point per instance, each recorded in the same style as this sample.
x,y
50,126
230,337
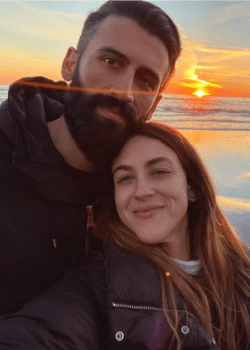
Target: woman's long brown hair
x,y
218,297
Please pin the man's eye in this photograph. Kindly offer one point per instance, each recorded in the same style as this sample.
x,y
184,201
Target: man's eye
x,y
111,62
146,82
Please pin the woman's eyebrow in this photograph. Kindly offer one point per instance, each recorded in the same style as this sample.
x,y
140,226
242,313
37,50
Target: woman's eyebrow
x,y
148,164
158,160
122,167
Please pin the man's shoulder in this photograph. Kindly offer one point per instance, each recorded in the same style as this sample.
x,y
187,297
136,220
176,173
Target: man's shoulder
x,y
6,126
93,269
89,274
85,282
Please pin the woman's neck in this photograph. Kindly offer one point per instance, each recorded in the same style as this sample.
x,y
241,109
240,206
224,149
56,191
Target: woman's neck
x,y
181,249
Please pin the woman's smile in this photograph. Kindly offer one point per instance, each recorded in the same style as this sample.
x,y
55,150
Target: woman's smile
x,y
147,212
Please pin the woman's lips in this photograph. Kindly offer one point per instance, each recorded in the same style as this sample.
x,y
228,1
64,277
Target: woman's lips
x,y
146,212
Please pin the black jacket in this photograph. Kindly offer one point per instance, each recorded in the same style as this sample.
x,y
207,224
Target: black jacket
x,y
108,303
42,199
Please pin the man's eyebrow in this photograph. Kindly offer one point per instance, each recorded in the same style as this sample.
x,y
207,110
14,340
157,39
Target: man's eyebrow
x,y
114,51
148,164
125,58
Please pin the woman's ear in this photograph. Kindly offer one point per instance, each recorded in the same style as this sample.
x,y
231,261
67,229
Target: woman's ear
x,y
190,193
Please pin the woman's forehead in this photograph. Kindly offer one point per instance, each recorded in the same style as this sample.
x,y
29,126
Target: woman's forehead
x,y
141,149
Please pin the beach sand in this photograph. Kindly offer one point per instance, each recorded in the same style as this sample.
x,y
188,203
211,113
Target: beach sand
x,y
227,157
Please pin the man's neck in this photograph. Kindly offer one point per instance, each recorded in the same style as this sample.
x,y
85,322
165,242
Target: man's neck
x,y
66,145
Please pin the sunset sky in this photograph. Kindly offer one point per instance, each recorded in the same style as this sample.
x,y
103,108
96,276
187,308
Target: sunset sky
x,y
34,37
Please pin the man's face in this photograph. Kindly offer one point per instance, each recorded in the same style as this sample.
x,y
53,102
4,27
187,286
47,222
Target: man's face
x,y
126,62
127,66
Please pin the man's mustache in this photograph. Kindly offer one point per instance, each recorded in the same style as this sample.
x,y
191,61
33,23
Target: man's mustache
x,y
80,102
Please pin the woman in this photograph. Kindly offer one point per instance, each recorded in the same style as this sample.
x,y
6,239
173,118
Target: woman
x,y
174,274
170,211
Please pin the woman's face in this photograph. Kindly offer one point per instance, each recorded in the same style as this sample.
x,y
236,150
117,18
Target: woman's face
x,y
151,192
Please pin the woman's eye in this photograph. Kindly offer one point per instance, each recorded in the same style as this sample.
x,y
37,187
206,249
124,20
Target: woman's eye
x,y
124,179
160,172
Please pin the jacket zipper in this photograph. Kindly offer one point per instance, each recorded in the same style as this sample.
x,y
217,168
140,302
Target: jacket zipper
x,y
137,307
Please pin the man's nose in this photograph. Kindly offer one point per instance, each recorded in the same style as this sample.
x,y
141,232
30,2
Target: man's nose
x,y
143,189
123,89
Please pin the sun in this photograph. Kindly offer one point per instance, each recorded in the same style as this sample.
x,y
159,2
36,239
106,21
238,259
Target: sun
x,y
199,93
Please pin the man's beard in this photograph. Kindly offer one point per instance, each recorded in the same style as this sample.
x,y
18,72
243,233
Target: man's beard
x,y
99,138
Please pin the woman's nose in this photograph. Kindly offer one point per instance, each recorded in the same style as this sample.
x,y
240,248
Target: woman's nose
x,y
143,189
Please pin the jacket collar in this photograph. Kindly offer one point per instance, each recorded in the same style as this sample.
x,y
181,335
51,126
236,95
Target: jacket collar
x,y
130,278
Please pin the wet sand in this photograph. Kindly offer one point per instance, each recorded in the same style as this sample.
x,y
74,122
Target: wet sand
x,y
227,156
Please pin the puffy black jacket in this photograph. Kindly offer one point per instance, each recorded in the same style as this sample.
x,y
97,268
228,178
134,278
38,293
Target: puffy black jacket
x,y
42,199
108,303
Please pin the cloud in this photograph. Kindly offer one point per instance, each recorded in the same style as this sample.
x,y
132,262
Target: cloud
x,y
187,65
244,176
212,67
215,69
18,19
232,51
231,12
199,83
225,66
229,204
188,60
209,67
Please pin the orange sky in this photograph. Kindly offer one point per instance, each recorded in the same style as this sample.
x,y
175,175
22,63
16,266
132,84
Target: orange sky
x,y
34,40
219,71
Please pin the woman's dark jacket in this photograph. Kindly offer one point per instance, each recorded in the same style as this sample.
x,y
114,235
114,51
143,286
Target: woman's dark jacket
x,y
107,303
42,199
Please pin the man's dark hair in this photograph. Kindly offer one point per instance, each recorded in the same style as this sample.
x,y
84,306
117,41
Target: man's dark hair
x,y
148,16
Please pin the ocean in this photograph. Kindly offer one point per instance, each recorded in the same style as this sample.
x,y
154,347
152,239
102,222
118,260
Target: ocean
x,y
3,92
206,113
219,127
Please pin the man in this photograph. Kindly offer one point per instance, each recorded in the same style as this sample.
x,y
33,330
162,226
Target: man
x,y
52,143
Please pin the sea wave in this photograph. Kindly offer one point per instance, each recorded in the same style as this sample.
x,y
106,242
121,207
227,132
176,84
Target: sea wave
x,y
204,111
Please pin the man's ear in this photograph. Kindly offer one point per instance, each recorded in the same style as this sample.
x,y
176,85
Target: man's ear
x,y
190,193
69,63
153,108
